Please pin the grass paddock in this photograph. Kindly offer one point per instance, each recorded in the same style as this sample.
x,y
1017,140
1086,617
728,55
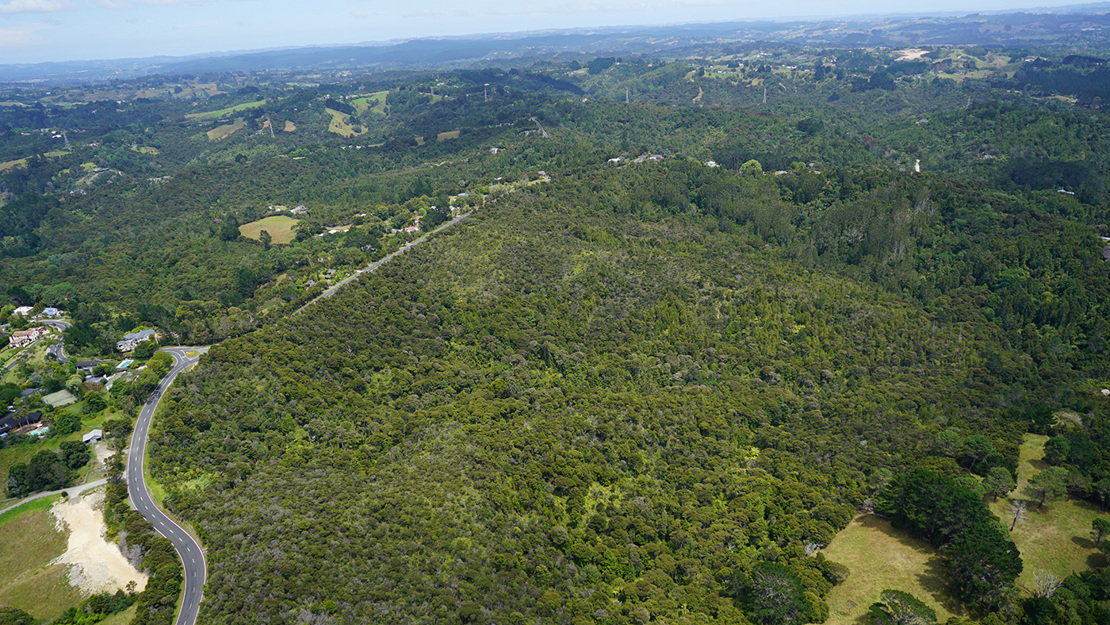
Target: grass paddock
x,y
881,557
30,582
280,228
1055,538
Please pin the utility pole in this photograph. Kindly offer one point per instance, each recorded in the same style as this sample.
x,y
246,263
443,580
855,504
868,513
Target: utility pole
x,y
64,136
485,91
765,94
626,95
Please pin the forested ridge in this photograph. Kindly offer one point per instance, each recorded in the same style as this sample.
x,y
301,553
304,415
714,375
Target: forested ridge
x,y
560,411
688,333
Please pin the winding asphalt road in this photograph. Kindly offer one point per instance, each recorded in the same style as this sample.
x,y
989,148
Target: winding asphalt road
x,y
192,557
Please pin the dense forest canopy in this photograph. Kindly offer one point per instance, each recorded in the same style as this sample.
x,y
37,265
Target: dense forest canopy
x,y
704,310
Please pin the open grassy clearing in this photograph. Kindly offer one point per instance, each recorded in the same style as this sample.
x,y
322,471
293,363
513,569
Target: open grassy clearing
x,y
280,228
30,582
22,162
225,131
447,136
342,125
123,618
224,112
146,149
374,103
880,557
1056,538
289,126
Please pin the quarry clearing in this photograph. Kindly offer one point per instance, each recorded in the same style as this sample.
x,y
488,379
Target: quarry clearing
x,y
95,565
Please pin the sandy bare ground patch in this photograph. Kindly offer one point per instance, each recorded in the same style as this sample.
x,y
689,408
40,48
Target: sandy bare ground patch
x,y
103,452
911,55
96,565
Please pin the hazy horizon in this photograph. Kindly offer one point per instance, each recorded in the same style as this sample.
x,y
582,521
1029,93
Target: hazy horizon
x,y
35,31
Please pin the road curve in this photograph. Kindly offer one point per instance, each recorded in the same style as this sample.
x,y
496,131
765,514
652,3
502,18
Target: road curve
x,y
192,557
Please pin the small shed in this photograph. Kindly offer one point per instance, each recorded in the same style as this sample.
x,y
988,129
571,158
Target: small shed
x,y
93,437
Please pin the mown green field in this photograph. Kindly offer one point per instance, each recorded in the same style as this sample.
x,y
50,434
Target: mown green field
x,y
280,228
880,558
29,582
224,112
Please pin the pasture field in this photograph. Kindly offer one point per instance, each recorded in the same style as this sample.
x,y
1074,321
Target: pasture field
x,y
280,228
341,124
30,582
224,112
880,558
1055,538
375,103
447,136
225,131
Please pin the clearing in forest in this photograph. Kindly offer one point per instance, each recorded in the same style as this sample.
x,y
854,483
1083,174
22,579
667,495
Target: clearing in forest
x,y
341,124
280,228
1056,538
225,131
880,557
31,542
289,126
445,136
375,103
224,112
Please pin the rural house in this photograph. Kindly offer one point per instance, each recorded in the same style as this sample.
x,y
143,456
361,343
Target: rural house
x,y
130,341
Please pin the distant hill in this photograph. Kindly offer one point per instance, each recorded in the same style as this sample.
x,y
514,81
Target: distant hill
x,y
1059,27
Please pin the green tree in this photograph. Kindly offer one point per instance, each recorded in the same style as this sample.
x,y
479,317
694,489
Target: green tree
x,y
1048,485
1056,450
1100,528
775,595
975,450
901,608
15,616
265,238
65,423
948,442
983,562
998,482
751,167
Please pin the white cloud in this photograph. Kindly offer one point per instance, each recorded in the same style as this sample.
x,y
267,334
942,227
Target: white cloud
x,y
116,5
20,36
35,6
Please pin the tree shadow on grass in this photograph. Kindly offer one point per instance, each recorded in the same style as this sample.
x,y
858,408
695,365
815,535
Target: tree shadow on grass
x,y
934,579
873,522
1098,560
1084,543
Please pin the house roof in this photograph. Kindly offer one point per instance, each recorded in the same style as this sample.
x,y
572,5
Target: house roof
x,y
140,335
11,420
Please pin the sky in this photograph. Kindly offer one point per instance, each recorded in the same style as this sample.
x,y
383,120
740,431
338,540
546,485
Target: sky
x,y
33,31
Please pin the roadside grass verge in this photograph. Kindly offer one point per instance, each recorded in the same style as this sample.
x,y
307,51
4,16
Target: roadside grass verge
x,y
880,557
30,582
1056,538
